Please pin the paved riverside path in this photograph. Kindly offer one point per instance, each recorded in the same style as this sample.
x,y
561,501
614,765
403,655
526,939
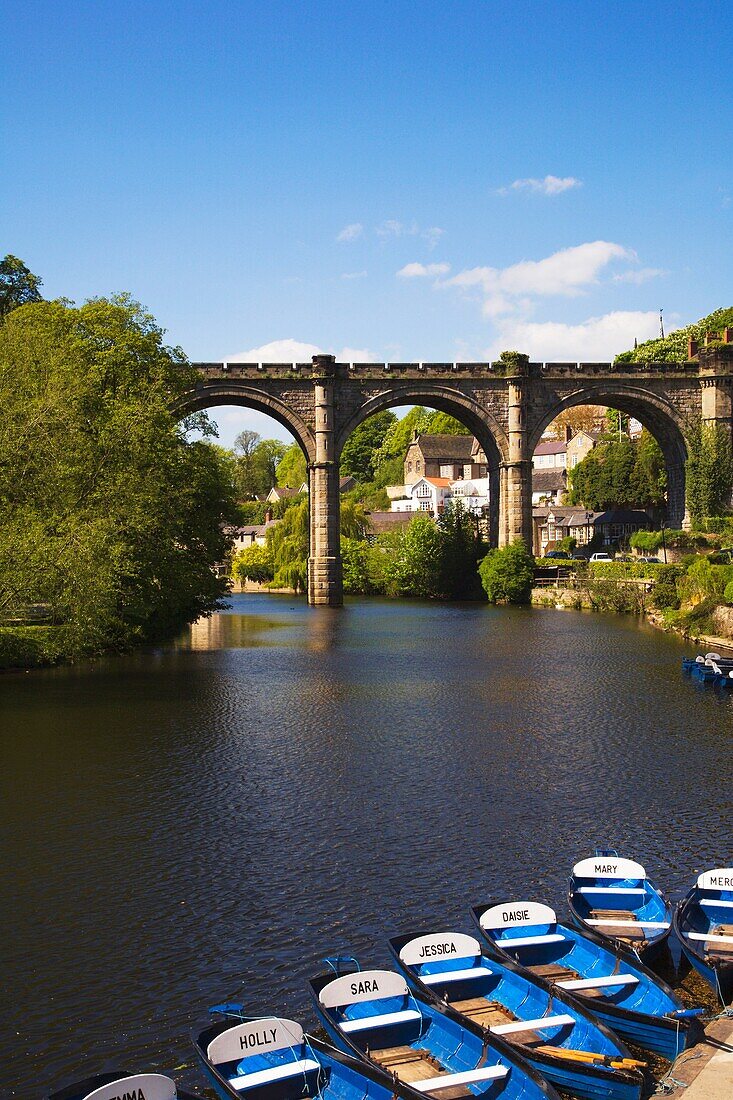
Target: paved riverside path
x,y
706,1069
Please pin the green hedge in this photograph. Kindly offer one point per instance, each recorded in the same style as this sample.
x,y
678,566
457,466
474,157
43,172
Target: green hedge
x,y
31,646
622,570
553,563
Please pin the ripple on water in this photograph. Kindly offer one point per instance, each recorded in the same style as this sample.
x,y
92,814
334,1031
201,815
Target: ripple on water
x,y
210,819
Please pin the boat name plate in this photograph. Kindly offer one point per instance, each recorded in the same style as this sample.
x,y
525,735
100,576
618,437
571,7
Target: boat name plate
x,y
141,1086
365,985
254,1037
441,945
517,912
721,878
608,867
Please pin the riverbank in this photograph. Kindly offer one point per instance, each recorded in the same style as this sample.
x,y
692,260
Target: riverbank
x,y
705,1072
563,598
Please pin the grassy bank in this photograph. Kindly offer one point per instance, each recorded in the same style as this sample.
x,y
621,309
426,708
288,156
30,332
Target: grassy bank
x,y
31,646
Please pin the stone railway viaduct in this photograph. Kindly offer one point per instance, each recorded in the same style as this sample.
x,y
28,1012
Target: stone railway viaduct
x,y
507,407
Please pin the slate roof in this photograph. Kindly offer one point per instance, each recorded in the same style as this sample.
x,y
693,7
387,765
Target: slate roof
x,y
456,448
548,481
551,447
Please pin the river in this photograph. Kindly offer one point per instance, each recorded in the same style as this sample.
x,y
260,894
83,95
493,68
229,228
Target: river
x,y
207,820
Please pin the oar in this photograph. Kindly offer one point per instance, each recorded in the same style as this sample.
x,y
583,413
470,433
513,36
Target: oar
x,y
590,1056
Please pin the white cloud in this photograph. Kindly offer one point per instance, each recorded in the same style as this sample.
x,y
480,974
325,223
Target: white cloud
x,y
414,271
550,185
392,228
354,275
351,232
566,273
432,236
597,339
295,351
639,276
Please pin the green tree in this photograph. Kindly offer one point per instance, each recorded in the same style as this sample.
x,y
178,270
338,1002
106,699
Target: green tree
x,y
18,285
267,456
291,469
253,563
508,574
709,470
357,456
674,347
288,544
417,568
459,549
620,473
111,516
441,423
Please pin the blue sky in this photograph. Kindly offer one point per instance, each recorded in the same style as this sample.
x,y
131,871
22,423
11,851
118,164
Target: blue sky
x,y
381,180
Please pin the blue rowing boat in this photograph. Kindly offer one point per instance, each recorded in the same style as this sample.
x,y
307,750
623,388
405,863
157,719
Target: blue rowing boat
x,y
614,985
613,898
272,1059
710,669
703,922
118,1086
373,1014
553,1031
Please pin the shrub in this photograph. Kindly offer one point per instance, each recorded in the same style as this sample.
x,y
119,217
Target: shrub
x,y
648,541
664,593
31,646
507,574
254,564
728,594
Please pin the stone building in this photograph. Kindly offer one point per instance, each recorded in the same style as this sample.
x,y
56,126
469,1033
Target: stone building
x,y
444,456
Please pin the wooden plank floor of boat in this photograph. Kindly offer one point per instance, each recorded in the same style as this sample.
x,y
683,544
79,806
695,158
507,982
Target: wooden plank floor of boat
x,y
723,949
410,1064
628,935
554,972
490,1013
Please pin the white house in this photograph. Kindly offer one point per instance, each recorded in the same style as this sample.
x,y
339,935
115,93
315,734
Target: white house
x,y
427,494
550,454
473,493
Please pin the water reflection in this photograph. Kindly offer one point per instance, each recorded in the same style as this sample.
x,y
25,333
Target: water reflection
x,y
289,781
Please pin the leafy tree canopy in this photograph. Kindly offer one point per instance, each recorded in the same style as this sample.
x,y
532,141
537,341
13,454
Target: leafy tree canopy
x,y
18,285
508,574
111,516
620,473
357,456
291,469
673,348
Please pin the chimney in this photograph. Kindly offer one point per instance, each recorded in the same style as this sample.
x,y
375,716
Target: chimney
x,y
268,515
727,335
691,348
568,433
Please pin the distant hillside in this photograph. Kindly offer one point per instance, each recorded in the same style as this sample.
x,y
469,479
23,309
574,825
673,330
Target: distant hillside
x,y
673,348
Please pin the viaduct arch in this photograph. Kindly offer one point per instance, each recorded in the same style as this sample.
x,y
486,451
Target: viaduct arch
x,y
506,407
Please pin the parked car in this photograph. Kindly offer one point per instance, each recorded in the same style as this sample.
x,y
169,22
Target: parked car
x,y
651,560
558,554
600,556
724,556
626,558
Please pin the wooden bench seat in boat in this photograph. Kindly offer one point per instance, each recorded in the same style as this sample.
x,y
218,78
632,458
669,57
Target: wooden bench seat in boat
x,y
383,1019
725,946
456,975
502,1021
274,1073
416,1067
621,923
556,972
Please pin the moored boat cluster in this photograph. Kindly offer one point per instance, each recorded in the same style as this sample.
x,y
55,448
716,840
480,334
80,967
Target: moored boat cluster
x,y
710,668
524,1005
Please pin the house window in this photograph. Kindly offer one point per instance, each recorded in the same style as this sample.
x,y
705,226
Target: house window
x,y
425,506
446,471
409,467
417,467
